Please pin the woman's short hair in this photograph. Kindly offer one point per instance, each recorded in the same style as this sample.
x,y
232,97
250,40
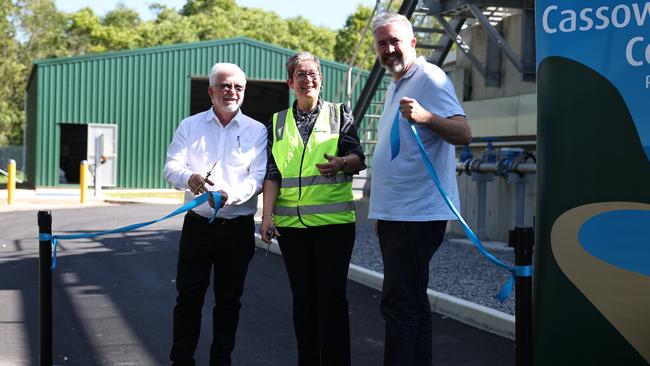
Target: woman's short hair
x,y
299,57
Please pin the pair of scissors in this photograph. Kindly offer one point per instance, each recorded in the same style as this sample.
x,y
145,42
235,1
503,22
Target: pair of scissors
x,y
207,175
271,233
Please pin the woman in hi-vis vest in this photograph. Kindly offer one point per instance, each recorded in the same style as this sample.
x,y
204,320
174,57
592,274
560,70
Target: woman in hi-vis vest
x,y
313,152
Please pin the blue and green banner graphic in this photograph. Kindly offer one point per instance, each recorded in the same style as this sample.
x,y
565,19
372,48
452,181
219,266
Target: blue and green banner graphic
x,y
592,284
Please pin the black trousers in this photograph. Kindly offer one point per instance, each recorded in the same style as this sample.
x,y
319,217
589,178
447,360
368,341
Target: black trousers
x,y
406,249
226,246
317,261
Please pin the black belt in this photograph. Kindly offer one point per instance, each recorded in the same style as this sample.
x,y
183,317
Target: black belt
x,y
219,220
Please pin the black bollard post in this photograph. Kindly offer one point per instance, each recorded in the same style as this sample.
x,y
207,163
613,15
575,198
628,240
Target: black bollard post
x,y
45,287
522,240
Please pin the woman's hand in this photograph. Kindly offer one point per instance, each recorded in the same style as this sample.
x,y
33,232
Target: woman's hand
x,y
268,229
334,165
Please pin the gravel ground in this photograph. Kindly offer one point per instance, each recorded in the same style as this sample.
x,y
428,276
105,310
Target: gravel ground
x,y
458,270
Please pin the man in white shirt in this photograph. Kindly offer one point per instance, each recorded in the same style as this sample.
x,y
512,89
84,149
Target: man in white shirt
x,y
232,147
412,216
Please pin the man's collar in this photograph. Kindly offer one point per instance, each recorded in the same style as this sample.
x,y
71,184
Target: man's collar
x,y
212,117
417,63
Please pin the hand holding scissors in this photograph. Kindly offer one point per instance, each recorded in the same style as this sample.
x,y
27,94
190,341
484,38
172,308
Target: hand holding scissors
x,y
197,182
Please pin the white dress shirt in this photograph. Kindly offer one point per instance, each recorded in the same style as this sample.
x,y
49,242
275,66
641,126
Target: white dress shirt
x,y
239,150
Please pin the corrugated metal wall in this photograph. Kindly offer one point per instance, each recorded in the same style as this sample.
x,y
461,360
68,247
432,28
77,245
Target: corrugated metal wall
x,y
146,93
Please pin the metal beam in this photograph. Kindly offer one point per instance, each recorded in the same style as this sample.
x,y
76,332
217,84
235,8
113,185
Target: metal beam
x,y
461,44
429,46
495,36
377,72
428,30
445,7
528,56
446,41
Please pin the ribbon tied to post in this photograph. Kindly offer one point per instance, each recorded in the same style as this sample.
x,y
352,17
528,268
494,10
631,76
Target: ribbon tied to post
x,y
186,207
518,271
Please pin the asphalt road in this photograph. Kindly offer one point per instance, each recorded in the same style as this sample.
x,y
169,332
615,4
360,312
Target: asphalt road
x,y
113,298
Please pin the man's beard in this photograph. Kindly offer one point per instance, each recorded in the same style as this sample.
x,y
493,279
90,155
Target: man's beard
x,y
396,67
231,107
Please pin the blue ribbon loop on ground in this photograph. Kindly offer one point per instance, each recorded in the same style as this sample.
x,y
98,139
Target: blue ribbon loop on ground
x,y
186,207
520,271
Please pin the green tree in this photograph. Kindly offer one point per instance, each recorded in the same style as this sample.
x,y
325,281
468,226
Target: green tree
x,y
193,7
169,27
119,29
36,29
320,41
11,71
347,39
42,28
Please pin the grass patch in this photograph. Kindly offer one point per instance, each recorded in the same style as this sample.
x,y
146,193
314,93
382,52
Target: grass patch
x,y
20,176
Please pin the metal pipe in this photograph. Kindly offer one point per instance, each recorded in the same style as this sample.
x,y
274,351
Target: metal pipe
x,y
45,287
477,166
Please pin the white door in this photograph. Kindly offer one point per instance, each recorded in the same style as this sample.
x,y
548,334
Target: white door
x,y
108,156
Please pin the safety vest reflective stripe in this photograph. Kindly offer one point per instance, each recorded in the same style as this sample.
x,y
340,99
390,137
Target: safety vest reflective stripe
x,y
335,122
314,209
315,180
279,126
306,198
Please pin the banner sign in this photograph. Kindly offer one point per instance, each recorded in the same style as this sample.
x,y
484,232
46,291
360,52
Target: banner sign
x,y
592,264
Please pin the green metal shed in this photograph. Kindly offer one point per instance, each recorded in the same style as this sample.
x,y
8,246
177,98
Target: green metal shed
x,y
136,98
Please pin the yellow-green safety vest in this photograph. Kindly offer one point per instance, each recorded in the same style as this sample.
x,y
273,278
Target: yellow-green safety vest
x,y
306,198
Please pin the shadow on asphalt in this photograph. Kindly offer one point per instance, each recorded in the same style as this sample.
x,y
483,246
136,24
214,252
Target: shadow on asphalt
x,y
113,299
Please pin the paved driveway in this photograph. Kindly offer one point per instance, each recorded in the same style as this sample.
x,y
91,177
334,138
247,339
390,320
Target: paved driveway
x,y
113,298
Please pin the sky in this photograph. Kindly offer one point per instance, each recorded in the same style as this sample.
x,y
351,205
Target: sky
x,y
330,13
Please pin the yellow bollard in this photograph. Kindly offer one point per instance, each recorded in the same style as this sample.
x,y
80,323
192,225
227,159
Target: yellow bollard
x,y
83,184
11,181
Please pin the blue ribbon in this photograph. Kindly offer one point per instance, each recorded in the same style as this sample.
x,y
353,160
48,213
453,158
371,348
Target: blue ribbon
x,y
186,207
394,138
519,271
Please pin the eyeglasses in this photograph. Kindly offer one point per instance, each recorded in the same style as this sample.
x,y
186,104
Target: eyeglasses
x,y
301,76
227,87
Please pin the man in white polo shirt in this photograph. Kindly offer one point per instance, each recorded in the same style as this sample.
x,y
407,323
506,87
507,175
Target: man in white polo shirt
x,y
232,147
412,216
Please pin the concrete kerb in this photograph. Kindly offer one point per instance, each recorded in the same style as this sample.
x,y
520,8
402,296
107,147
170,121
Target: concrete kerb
x,y
464,311
492,246
69,198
